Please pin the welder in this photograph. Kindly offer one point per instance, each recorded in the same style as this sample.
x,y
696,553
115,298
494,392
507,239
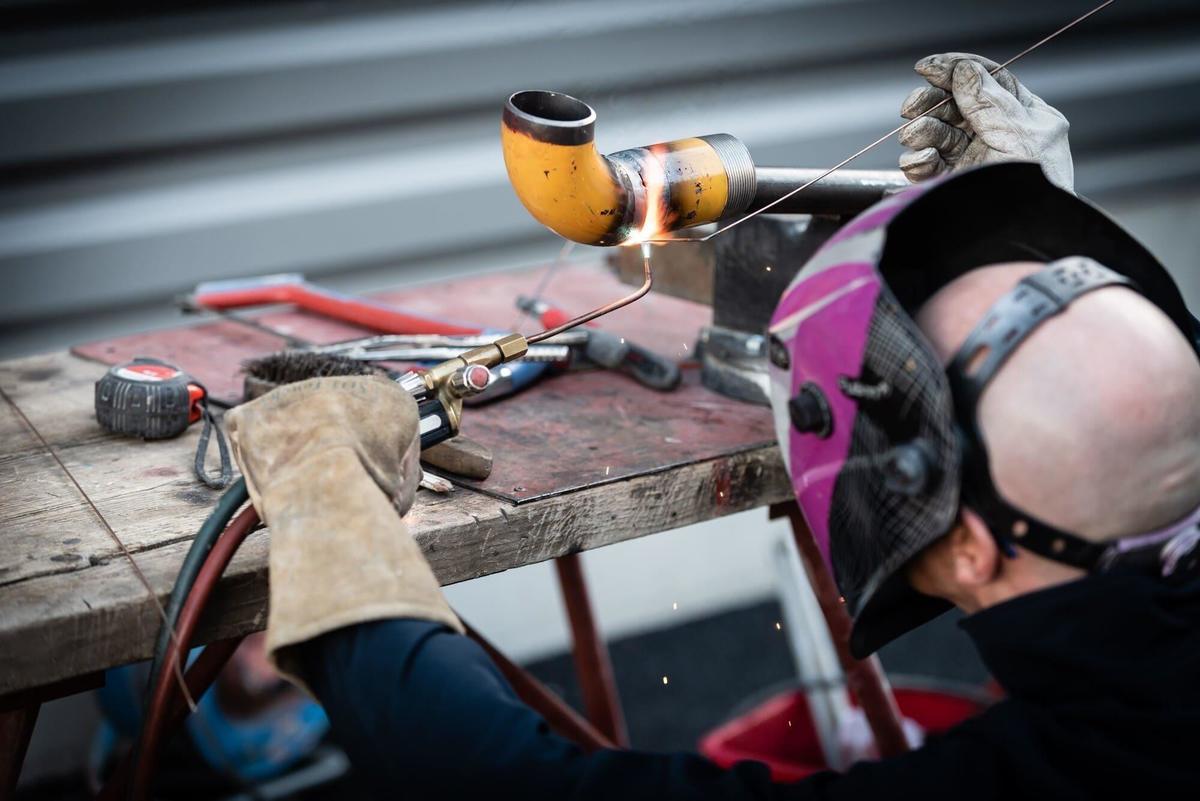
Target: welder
x,y
987,395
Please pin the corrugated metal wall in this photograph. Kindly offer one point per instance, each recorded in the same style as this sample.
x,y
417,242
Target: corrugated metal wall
x,y
140,154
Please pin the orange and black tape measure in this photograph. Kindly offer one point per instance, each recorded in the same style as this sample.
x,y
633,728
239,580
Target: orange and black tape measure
x,y
152,399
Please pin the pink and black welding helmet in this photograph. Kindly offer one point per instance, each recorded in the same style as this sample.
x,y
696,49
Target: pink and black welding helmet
x,y
879,437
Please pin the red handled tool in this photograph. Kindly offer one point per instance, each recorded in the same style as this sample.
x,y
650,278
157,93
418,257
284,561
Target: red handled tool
x,y
293,289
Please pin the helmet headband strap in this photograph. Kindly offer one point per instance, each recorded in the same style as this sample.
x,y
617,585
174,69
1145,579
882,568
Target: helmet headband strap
x,y
1010,320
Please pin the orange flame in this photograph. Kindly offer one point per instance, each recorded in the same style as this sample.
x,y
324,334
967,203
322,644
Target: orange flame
x,y
655,179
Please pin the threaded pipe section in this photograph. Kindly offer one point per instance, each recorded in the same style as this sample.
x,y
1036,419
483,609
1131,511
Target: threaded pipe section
x,y
739,169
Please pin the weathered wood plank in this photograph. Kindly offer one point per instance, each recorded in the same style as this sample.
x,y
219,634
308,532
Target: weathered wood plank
x,y
62,625
55,391
145,490
70,604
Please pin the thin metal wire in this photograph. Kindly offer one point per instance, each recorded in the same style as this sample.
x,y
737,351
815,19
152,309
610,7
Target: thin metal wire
x,y
885,137
111,533
648,281
645,244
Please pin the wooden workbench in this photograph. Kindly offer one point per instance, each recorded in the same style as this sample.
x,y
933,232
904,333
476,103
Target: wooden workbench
x,y
71,605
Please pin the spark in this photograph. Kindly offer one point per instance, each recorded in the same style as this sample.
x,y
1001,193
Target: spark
x,y
664,679
685,347
768,268
778,626
789,724
675,605
606,469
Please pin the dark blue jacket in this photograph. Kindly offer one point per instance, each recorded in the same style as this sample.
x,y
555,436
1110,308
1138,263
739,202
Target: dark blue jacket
x,y
1103,677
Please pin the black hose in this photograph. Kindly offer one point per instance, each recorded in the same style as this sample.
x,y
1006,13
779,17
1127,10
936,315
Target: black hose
x,y
230,502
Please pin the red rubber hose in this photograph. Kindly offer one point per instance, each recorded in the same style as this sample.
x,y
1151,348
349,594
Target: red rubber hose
x,y
165,690
199,678
167,709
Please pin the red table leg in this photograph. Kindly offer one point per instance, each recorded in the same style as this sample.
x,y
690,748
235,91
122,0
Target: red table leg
x,y
559,716
592,664
865,677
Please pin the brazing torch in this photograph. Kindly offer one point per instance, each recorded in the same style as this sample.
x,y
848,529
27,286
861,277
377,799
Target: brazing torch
x,y
440,390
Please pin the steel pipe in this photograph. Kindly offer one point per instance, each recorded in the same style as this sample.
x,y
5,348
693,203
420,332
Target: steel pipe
x,y
841,193
548,140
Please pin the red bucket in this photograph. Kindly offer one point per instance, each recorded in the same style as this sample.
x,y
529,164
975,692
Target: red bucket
x,y
780,732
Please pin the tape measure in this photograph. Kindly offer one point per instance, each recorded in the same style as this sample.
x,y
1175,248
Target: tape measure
x,y
151,399
148,398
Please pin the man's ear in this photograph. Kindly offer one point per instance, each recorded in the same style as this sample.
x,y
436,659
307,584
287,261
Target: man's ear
x,y
975,554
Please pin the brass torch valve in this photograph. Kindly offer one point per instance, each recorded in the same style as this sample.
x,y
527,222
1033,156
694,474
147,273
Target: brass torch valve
x,y
439,390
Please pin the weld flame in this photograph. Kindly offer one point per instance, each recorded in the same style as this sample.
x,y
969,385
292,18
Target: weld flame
x,y
654,177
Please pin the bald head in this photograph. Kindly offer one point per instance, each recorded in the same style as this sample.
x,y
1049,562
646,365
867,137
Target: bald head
x,y
1093,423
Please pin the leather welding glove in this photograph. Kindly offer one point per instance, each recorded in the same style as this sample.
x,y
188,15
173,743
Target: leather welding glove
x,y
989,119
332,464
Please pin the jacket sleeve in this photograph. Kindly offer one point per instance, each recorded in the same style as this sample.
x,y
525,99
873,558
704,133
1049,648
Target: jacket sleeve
x,y
423,712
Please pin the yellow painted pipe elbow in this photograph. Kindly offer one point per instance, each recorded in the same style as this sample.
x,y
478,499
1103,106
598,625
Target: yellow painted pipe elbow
x,y
548,140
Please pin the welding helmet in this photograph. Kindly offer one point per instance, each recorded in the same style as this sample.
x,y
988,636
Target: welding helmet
x,y
879,437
